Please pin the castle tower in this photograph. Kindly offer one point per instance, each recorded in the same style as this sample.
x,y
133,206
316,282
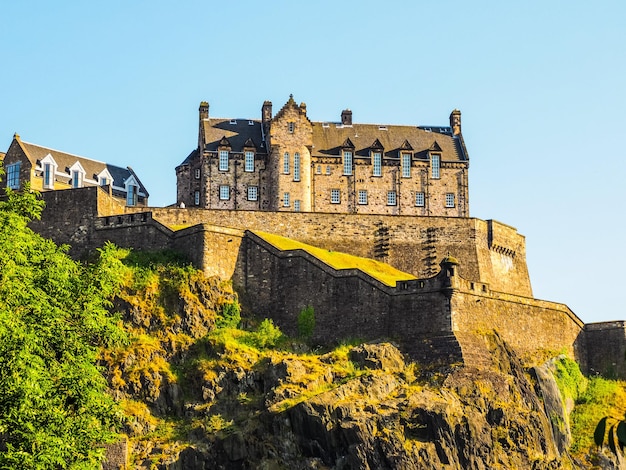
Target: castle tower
x,y
290,141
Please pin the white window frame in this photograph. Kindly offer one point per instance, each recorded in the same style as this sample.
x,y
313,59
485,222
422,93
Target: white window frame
x,y
286,163
286,202
377,169
392,199
406,165
224,192
197,173
335,196
328,169
249,162
291,127
253,193
77,173
49,169
435,166
105,178
450,200
347,162
362,197
296,166
223,162
13,175
318,169
296,205
420,199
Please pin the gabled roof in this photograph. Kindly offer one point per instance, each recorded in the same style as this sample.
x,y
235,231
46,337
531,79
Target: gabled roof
x,y
366,137
36,153
239,132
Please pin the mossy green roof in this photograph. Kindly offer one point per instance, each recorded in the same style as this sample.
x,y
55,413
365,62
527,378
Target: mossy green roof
x,y
382,272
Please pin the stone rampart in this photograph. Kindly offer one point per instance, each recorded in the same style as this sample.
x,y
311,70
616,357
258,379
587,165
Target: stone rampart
x,y
606,346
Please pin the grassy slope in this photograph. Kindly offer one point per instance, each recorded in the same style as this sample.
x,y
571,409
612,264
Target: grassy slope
x,y
383,272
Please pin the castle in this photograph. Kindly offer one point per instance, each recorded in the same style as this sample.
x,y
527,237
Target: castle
x,y
469,276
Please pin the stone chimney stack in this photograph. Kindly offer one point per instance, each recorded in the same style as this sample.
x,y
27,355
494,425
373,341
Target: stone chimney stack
x,y
455,122
346,117
203,112
266,117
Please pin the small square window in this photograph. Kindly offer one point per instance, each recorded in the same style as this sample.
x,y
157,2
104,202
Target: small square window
x,y
391,198
362,196
286,202
335,196
224,193
449,199
253,193
419,199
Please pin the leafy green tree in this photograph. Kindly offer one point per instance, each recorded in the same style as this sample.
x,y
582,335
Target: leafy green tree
x,y
54,409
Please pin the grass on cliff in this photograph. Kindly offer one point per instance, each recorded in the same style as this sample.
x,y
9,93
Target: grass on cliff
x,y
382,272
592,399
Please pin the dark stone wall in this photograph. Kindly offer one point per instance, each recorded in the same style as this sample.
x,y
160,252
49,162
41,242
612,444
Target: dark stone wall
x,y
606,348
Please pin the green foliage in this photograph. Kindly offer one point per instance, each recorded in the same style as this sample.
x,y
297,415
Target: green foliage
x,y
54,411
266,336
306,322
570,380
230,316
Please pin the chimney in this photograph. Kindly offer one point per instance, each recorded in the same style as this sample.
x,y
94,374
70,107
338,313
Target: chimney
x,y
455,122
203,112
266,116
346,117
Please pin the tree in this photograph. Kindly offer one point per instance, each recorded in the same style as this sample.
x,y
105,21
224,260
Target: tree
x,y
54,409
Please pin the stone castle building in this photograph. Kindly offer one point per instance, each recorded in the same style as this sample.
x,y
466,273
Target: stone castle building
x,y
288,163
46,169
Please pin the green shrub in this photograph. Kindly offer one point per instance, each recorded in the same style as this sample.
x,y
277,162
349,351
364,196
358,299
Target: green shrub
x,y
267,335
306,322
230,316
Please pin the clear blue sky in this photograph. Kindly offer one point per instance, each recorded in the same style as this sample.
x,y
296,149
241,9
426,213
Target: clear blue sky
x,y
541,86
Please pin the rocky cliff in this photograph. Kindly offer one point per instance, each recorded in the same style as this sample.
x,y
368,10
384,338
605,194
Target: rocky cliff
x,y
202,394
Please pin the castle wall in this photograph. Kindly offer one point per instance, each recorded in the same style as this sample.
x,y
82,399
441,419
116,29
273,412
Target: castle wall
x,y
606,346
411,244
529,325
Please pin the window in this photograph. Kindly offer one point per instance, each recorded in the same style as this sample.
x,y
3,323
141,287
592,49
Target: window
x,y
48,176
253,193
406,165
296,167
347,163
77,179
291,126
286,200
197,173
224,192
286,163
391,198
13,175
104,181
223,160
377,164
419,199
328,169
335,196
449,199
249,164
362,196
131,195
435,161
196,198
296,205
318,169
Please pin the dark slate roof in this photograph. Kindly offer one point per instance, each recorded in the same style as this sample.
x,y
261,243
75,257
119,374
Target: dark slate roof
x,y
36,153
239,133
329,138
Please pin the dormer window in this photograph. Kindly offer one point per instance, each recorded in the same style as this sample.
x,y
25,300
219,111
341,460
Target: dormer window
x,y
291,127
347,162
377,169
406,165
132,191
435,163
249,162
78,174
223,162
49,168
105,178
